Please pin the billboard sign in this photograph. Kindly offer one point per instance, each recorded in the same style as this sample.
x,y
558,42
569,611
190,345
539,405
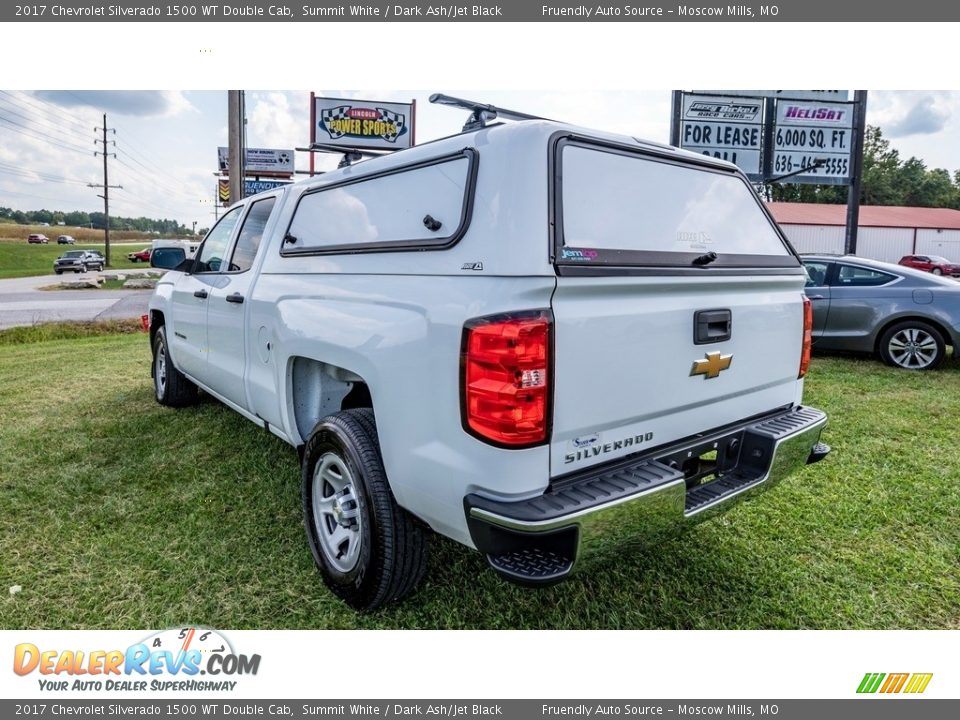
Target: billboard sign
x,y
821,95
813,133
362,124
261,161
725,127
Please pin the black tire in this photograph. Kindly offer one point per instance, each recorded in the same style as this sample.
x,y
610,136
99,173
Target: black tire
x,y
171,387
391,555
913,345
59,272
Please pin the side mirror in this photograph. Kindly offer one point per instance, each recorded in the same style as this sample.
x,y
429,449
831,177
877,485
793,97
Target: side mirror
x,y
168,258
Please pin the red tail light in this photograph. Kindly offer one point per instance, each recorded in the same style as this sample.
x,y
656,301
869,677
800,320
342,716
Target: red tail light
x,y
506,367
807,336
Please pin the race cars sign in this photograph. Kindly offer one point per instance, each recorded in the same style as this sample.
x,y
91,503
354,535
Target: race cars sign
x,y
725,127
815,138
362,124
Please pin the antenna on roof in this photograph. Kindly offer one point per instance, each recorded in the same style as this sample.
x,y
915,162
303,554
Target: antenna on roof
x,y
480,113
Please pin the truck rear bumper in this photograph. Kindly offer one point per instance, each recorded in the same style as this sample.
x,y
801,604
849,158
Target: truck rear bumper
x,y
538,541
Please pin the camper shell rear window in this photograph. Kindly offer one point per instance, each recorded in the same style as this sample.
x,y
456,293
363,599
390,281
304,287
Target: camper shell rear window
x,y
616,205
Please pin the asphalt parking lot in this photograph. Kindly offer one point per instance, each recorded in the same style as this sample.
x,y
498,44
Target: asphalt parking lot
x,y
23,303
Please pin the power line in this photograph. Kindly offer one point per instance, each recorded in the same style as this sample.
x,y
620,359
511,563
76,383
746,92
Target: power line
x,y
153,180
16,172
35,101
13,106
38,135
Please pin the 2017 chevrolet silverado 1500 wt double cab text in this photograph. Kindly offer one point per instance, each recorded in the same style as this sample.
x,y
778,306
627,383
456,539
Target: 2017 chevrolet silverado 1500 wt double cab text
x,y
500,336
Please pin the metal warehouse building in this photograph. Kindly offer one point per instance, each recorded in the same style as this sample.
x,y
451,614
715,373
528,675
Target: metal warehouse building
x,y
886,232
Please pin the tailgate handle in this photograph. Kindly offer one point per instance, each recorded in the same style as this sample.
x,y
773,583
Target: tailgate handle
x,y
712,326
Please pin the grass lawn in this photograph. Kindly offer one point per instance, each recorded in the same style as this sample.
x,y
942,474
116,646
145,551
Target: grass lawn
x,y
23,260
117,513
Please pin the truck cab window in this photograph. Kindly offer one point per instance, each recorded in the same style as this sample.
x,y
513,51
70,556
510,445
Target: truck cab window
x,y
215,244
251,233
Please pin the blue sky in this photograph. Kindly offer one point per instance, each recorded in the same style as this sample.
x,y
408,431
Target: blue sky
x,y
166,141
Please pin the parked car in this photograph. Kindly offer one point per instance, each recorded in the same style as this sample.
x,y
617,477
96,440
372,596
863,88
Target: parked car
x,y
77,261
932,264
610,350
906,316
37,239
140,255
66,240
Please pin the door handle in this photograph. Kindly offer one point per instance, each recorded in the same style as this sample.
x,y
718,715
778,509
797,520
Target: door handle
x,y
816,297
202,294
235,298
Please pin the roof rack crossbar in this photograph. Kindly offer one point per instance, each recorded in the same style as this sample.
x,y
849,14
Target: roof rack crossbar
x,y
481,113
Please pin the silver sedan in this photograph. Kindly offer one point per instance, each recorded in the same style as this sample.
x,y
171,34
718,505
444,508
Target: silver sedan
x,y
906,316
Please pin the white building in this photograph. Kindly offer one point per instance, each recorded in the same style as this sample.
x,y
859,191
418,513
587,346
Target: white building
x,y
886,232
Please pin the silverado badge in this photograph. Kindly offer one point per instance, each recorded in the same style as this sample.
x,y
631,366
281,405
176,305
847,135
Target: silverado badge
x,y
711,366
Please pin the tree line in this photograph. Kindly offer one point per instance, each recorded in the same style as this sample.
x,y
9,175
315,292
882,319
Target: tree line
x,y
95,220
888,179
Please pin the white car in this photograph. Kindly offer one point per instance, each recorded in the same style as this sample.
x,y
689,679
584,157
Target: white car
x,y
500,337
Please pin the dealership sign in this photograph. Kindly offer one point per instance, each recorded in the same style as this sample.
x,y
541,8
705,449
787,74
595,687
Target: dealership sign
x,y
362,124
250,187
725,127
772,135
261,161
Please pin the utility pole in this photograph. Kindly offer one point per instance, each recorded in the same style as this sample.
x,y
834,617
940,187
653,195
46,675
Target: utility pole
x,y
856,179
106,186
236,147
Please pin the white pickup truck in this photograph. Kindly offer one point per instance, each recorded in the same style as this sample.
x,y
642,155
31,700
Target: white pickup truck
x,y
517,337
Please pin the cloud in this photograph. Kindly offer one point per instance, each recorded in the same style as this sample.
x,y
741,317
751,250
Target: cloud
x,y
905,114
132,103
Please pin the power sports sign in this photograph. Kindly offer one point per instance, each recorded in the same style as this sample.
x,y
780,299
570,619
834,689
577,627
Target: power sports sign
x,y
362,124
771,135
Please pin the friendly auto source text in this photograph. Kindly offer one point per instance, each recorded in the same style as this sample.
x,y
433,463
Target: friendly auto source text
x,y
588,11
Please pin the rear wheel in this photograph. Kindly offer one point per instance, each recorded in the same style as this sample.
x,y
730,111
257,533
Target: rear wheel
x,y
369,550
913,345
937,271
171,387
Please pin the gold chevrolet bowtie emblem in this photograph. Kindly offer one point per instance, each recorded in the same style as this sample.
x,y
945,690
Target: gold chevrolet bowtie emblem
x,y
712,365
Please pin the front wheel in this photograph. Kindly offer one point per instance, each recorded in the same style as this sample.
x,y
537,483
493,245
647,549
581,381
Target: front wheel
x,y
937,271
369,550
913,345
171,387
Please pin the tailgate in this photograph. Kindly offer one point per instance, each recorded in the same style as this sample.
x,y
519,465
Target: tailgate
x,y
625,352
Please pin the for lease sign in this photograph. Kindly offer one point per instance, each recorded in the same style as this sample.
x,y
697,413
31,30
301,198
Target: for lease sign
x,y
725,127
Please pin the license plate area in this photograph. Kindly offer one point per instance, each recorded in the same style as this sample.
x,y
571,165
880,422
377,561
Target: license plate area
x,y
708,460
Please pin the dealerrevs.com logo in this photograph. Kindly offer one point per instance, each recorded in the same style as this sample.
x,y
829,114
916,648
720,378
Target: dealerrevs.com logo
x,y
180,659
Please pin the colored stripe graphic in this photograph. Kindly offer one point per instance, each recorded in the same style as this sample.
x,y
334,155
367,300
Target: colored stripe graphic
x,y
894,683
870,682
918,682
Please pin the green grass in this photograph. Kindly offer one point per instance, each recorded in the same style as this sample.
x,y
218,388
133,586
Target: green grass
x,y
24,260
67,330
118,513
